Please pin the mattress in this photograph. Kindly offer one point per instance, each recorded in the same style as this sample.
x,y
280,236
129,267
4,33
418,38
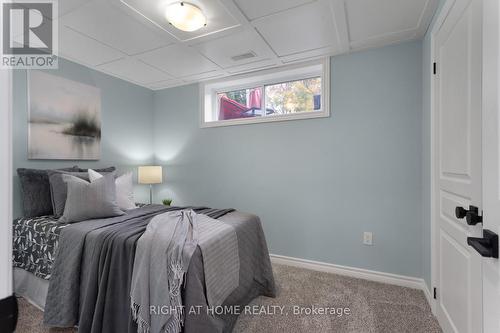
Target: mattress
x,y
35,242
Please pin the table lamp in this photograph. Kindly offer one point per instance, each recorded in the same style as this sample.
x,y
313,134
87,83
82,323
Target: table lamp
x,y
150,175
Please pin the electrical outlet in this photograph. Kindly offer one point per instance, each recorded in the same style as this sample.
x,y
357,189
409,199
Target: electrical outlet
x,y
367,238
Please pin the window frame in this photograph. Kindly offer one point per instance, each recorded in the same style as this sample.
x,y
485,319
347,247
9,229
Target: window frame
x,y
263,78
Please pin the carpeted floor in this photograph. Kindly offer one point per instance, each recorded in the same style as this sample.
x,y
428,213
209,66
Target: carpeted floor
x,y
366,307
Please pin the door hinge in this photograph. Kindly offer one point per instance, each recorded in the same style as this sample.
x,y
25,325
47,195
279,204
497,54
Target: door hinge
x,y
434,68
435,293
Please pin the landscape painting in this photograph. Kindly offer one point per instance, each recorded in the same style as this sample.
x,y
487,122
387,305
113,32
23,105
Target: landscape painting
x,y
64,118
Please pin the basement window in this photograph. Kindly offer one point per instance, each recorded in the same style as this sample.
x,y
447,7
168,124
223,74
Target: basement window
x,y
285,93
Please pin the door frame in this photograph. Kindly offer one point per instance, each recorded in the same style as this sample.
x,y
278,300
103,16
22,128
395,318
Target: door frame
x,y
490,118
6,90
443,14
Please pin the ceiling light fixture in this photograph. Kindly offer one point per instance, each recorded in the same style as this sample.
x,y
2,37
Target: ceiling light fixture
x,y
185,16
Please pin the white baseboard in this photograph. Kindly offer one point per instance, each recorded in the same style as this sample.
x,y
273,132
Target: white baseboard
x,y
360,273
427,294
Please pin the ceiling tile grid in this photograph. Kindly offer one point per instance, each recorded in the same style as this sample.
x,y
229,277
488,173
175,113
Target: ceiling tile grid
x,y
135,71
222,50
304,28
178,60
259,8
132,40
74,45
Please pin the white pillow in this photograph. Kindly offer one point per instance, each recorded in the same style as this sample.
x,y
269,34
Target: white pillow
x,y
124,189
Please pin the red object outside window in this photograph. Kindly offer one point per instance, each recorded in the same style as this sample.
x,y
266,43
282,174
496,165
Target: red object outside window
x,y
254,99
229,109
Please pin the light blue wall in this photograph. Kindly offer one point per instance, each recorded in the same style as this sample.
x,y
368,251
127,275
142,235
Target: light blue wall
x,y
426,151
316,184
127,139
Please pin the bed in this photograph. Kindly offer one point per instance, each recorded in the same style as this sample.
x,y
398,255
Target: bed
x,y
55,268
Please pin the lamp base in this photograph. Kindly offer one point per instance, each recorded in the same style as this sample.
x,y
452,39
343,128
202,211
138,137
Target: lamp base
x,y
150,194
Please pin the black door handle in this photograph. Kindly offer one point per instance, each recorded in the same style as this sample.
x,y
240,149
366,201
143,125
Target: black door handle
x,y
472,215
473,218
460,212
486,246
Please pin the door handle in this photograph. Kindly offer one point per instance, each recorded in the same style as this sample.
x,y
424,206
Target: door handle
x,y
486,246
473,218
460,212
472,215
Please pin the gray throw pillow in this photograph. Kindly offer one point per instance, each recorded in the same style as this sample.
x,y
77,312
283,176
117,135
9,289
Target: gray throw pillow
x,y
35,188
88,201
59,189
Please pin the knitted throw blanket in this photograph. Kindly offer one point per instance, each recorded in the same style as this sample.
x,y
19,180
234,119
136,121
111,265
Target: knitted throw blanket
x,y
161,261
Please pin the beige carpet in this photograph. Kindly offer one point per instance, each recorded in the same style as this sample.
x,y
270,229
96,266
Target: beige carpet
x,y
373,307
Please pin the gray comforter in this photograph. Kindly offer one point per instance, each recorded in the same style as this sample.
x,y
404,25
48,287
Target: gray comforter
x,y
90,283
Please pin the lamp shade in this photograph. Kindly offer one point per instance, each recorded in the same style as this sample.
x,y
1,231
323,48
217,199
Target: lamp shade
x,y
150,175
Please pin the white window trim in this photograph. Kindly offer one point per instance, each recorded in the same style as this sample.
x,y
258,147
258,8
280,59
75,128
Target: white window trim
x,y
271,76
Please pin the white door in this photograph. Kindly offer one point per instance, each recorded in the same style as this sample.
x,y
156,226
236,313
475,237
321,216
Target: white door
x,y
457,174
491,158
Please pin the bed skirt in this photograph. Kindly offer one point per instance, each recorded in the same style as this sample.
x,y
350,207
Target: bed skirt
x,y
30,287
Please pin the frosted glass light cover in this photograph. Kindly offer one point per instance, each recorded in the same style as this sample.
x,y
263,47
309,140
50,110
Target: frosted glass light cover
x,y
185,16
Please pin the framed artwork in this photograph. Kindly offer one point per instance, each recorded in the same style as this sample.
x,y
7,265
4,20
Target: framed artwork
x,y
64,121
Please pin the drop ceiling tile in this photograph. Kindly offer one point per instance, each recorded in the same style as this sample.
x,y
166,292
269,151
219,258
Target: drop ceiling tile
x,y
83,49
104,22
369,19
66,6
300,29
223,49
203,76
165,84
178,61
252,66
309,55
219,18
382,41
133,70
259,8
63,7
